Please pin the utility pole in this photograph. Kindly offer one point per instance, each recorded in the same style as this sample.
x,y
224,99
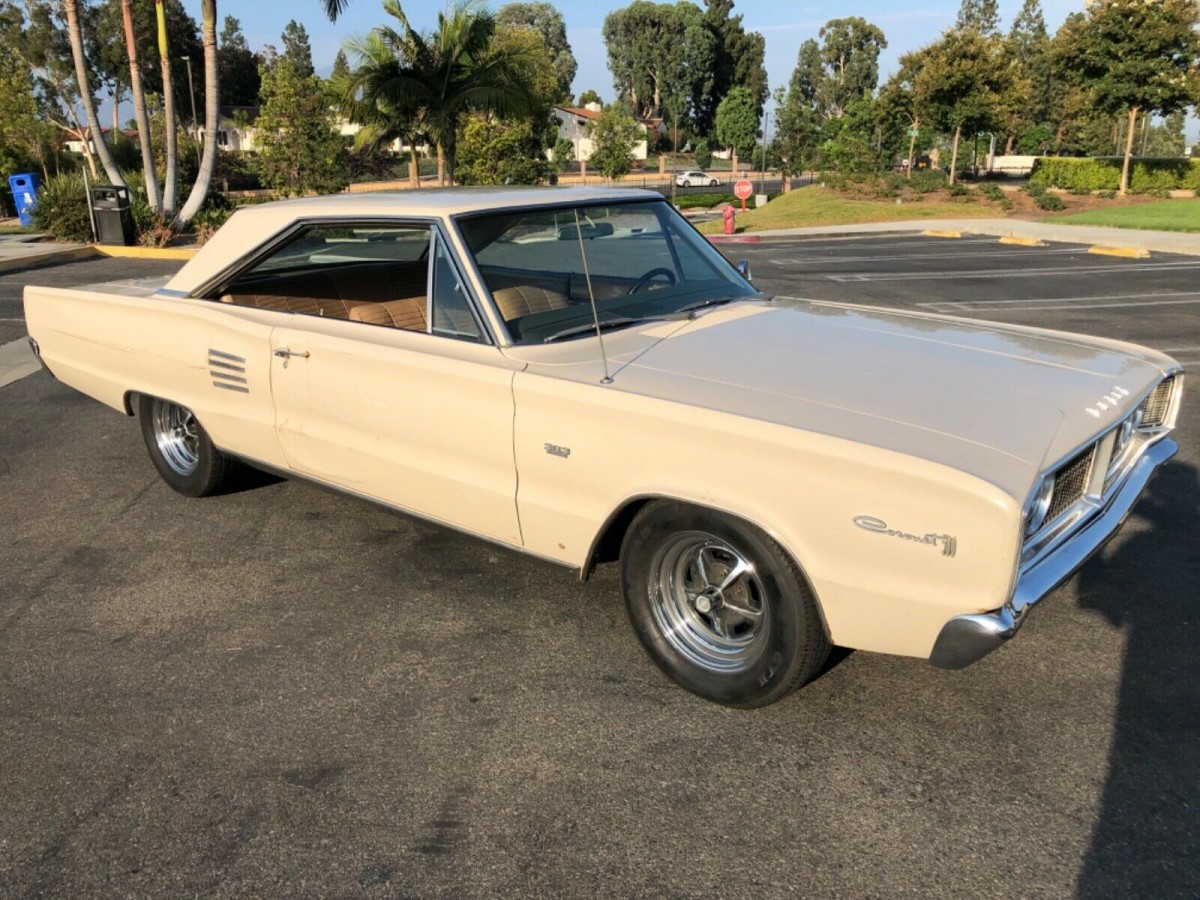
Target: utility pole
x,y
762,177
192,93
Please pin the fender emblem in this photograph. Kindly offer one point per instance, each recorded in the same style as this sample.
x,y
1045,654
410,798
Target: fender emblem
x,y
948,543
555,450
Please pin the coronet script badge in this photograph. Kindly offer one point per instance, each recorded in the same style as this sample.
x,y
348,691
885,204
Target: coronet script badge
x,y
947,542
555,450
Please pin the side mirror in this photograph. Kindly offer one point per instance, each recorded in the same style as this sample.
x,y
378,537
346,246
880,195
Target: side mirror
x,y
743,267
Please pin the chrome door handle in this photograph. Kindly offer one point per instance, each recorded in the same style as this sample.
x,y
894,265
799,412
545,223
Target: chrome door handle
x,y
285,354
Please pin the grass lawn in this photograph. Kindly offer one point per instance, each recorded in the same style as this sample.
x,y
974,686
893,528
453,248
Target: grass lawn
x,y
1165,215
810,206
6,228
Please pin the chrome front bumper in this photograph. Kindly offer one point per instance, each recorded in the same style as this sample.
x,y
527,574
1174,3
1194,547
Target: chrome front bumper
x,y
967,639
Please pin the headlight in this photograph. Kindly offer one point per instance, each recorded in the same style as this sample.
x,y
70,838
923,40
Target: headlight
x,y
1040,506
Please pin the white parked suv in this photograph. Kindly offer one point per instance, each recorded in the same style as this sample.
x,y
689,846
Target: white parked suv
x,y
687,179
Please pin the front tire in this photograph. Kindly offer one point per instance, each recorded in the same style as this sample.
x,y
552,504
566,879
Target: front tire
x,y
719,606
687,184
181,449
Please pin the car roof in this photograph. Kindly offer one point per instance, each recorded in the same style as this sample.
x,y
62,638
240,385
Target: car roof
x,y
250,226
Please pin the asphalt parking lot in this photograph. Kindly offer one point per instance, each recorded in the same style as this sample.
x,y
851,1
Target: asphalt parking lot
x,y
283,692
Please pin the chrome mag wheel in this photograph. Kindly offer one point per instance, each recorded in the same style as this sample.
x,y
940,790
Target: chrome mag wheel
x,y
177,435
708,602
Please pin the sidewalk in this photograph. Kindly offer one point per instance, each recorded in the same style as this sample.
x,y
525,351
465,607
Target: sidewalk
x,y
1115,238
25,251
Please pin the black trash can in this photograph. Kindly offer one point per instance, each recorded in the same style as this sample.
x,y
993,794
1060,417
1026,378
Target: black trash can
x,y
114,216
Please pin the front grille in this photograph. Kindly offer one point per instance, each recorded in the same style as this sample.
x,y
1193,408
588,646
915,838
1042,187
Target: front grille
x,y
1070,482
1155,409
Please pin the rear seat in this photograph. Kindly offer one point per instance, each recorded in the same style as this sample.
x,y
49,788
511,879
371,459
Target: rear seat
x,y
408,314
338,293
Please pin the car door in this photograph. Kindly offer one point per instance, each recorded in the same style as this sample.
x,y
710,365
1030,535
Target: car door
x,y
418,417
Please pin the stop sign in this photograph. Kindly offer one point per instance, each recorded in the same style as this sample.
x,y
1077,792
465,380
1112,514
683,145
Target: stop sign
x,y
743,189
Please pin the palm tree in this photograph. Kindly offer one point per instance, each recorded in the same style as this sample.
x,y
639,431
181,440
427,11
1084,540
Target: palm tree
x,y
334,8
85,94
208,161
171,179
139,110
437,78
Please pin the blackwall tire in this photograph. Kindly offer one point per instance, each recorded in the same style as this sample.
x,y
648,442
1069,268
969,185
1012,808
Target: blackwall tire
x,y
719,606
181,449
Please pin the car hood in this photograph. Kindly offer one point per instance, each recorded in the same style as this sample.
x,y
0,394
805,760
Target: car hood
x,y
999,401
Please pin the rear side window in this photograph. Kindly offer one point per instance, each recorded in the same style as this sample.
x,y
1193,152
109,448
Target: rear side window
x,y
378,275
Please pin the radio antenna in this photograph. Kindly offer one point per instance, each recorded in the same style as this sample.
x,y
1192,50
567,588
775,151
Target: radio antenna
x,y
607,379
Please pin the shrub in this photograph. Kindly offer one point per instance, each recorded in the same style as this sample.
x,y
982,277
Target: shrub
x,y
1006,203
1079,192
1107,195
1036,189
1105,174
1050,202
158,234
991,191
702,154
958,190
208,220
62,209
926,182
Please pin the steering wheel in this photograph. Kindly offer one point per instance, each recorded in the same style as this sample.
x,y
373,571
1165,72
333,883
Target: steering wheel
x,y
650,276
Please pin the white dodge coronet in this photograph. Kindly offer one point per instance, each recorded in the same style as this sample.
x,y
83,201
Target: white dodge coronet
x,y
577,374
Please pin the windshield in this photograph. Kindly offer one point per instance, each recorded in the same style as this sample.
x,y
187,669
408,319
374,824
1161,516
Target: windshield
x,y
637,260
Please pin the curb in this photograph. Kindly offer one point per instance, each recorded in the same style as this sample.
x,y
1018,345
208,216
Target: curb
x,y
734,238
940,233
1125,252
41,260
146,252
1019,241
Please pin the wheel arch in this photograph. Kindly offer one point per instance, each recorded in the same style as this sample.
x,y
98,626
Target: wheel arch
x,y
130,401
606,546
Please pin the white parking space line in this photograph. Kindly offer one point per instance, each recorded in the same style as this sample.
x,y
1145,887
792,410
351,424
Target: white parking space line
x,y
849,259
1193,301
1014,273
954,306
16,361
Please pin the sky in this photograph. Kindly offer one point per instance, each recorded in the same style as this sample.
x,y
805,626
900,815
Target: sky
x,y
785,24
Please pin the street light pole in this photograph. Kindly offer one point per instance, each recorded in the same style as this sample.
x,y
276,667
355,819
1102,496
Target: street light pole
x,y
192,93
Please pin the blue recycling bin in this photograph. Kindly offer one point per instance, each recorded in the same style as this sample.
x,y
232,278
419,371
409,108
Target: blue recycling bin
x,y
24,189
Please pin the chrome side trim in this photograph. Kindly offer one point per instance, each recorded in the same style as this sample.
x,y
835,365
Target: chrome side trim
x,y
37,353
966,639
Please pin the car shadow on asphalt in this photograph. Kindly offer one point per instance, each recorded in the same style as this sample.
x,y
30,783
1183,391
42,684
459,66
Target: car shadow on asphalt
x,y
1146,842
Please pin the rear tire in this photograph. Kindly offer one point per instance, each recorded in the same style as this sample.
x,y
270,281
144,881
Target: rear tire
x,y
719,606
181,449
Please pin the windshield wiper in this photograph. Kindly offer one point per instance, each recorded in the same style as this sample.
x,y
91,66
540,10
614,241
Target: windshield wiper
x,y
590,327
719,301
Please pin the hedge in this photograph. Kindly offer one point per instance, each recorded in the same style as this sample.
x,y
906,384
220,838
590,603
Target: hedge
x,y
1105,174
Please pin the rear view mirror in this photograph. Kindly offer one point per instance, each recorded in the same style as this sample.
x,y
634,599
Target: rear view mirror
x,y
743,267
586,231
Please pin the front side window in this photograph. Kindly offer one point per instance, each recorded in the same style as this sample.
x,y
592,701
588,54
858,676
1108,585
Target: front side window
x,y
374,274
636,261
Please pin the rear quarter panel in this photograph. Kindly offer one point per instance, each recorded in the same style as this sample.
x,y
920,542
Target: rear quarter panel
x,y
106,345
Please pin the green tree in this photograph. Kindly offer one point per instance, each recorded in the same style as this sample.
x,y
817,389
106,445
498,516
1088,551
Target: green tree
x,y
850,63
589,96
1133,58
497,151
737,122
341,68
738,61
1029,50
24,135
564,153
296,48
702,153
660,52
299,151
614,134
438,78
548,22
240,80
961,84
982,16
87,99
